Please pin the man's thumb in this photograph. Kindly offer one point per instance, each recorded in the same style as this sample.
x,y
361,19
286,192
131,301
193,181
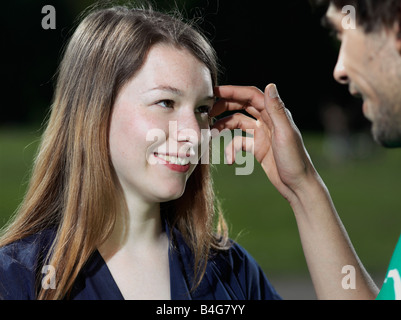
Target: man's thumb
x,y
275,106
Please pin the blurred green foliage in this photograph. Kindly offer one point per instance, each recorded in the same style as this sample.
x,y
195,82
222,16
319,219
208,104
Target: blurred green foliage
x,y
365,190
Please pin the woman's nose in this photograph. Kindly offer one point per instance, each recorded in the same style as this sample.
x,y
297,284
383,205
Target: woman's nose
x,y
189,128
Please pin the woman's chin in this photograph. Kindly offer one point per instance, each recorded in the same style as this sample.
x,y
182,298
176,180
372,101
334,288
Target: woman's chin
x,y
169,195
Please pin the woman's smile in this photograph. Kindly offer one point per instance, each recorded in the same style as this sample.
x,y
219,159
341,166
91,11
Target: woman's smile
x,y
175,163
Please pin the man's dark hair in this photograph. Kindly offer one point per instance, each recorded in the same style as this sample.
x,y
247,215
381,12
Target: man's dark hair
x,y
372,15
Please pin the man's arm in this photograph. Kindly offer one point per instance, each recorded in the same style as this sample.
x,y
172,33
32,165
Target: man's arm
x,y
279,148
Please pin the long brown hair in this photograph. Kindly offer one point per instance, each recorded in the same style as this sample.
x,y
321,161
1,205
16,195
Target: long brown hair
x,y
73,187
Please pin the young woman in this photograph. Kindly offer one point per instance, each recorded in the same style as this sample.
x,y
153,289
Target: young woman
x,y
111,212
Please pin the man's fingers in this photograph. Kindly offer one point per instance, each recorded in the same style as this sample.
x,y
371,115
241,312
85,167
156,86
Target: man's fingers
x,y
250,95
237,98
275,107
236,121
267,107
225,105
238,143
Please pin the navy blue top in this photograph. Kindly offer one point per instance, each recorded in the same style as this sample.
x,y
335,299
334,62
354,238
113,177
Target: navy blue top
x,y
230,275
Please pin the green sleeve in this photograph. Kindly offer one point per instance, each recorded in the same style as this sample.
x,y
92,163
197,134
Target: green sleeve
x,y
391,289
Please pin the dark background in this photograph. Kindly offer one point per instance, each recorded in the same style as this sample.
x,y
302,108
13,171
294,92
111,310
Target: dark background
x,y
257,43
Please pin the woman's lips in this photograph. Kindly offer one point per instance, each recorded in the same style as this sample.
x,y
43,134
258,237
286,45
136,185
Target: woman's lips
x,y
175,163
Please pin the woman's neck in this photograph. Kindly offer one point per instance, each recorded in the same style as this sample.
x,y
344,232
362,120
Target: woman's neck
x,y
136,253
139,227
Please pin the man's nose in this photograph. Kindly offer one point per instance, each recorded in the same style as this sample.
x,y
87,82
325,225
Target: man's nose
x,y
340,74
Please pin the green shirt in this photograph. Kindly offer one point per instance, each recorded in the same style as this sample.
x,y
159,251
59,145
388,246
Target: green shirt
x,y
391,289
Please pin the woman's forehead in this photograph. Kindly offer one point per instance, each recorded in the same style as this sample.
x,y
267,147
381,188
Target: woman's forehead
x,y
168,68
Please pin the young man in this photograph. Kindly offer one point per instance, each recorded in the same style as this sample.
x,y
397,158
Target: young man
x,y
369,63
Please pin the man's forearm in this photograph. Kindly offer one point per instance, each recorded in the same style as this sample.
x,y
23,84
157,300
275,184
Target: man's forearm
x,y
327,247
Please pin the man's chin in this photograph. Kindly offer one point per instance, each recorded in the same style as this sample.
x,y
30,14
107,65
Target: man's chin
x,y
387,137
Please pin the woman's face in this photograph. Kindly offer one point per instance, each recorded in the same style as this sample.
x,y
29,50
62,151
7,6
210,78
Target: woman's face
x,y
157,124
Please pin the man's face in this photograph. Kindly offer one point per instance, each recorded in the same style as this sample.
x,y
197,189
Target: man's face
x,y
370,64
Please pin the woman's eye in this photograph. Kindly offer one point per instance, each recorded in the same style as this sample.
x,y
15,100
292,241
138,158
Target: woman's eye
x,y
203,109
166,103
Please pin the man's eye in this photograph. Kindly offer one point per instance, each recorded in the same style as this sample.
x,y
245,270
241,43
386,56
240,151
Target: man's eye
x,y
203,109
166,103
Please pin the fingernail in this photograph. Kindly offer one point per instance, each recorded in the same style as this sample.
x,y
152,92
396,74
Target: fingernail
x,y
273,91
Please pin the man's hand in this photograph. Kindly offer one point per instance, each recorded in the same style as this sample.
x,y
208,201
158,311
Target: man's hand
x,y
277,144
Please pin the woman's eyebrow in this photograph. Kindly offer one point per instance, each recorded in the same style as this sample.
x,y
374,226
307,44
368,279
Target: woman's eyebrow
x,y
167,88
178,92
